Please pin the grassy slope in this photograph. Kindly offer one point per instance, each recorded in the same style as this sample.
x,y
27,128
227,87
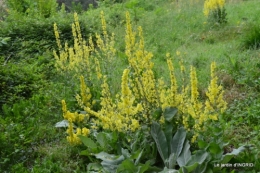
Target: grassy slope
x,y
170,28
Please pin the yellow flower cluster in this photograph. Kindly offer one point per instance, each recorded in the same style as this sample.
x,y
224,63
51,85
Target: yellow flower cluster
x,y
79,58
74,118
141,93
212,5
117,116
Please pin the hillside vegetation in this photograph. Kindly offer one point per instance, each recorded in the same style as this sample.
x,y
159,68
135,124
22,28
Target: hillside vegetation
x,y
130,86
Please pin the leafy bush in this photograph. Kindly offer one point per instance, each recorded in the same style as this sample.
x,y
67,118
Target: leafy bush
x,y
32,35
44,8
251,37
18,83
77,6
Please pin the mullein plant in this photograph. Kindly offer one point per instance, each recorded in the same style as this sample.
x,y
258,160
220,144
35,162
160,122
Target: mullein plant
x,y
215,11
141,93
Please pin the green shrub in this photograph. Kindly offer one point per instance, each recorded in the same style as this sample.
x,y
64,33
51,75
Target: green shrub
x,y
44,8
251,37
18,83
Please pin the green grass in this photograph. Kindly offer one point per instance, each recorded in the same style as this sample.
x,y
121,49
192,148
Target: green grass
x,y
168,27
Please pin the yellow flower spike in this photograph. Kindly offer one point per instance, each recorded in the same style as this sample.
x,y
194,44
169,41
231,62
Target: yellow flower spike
x,y
57,36
173,84
64,107
85,93
194,85
103,23
215,102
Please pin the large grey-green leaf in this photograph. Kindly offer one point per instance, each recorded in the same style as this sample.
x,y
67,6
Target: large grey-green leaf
x,y
168,131
166,170
177,141
199,157
227,157
172,160
169,113
160,140
185,154
125,153
63,123
109,158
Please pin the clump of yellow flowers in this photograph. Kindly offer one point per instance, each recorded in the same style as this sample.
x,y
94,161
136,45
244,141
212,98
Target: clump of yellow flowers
x,y
141,93
215,11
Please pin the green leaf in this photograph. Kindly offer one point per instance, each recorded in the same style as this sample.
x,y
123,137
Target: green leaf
x,y
227,157
168,131
189,168
166,170
185,155
202,144
139,157
199,157
125,153
214,148
63,123
169,113
160,140
94,167
109,167
109,158
201,168
184,170
177,142
157,113
102,140
127,165
88,143
172,160
142,168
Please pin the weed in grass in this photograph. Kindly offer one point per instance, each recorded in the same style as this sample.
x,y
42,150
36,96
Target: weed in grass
x,y
251,36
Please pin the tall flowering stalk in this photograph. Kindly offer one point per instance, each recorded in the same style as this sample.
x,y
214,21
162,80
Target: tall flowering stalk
x,y
215,11
215,99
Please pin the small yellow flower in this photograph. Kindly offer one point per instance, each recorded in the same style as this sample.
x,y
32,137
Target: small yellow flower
x,y
85,131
